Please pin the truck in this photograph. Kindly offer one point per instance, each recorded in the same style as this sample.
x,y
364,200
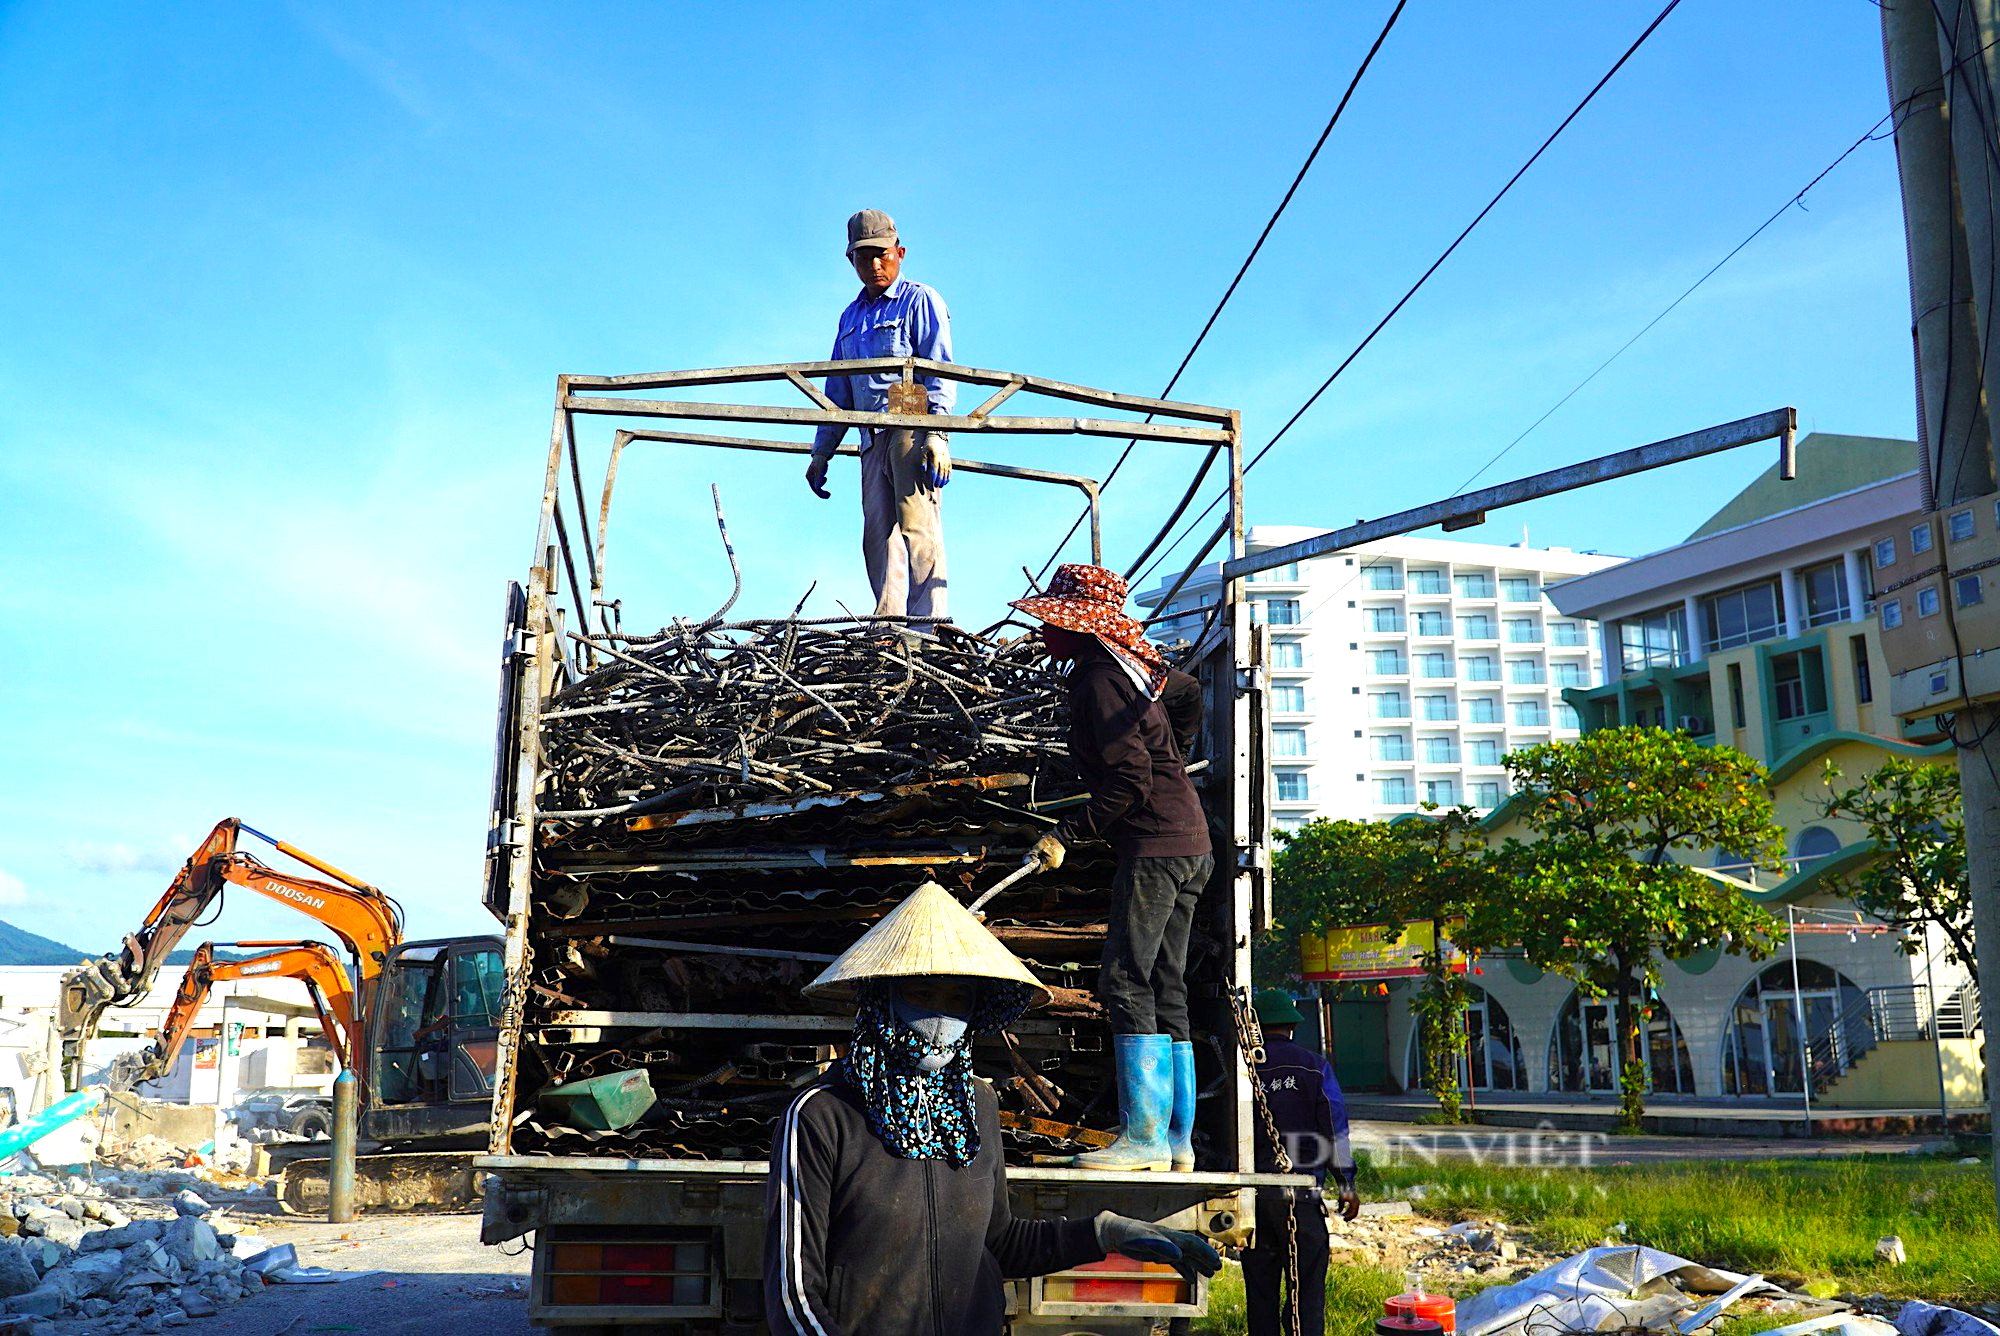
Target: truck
x,y
687,823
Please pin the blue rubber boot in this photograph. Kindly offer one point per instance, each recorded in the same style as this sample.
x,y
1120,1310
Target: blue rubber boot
x,y
1146,1099
1180,1127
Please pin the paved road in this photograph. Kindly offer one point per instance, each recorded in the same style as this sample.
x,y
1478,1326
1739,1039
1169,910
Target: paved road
x,y
1409,1143
430,1275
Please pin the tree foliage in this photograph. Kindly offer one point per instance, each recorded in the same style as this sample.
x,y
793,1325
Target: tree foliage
x,y
1335,874
1597,895
1911,810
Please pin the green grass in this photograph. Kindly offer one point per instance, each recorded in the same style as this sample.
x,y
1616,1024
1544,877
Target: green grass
x,y
1801,1220
1354,1296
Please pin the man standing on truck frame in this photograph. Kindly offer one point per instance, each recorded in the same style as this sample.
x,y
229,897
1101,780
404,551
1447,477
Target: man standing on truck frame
x,y
886,1210
1132,720
903,473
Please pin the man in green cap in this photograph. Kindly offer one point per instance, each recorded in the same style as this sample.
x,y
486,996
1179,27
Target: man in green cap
x,y
1305,1103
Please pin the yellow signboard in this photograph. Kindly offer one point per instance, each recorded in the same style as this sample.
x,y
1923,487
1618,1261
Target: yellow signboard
x,y
1349,954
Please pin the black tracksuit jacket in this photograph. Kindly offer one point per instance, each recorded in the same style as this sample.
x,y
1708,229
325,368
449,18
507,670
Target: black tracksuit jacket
x,y
858,1242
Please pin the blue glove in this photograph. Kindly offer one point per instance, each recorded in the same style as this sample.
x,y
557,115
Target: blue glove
x,y
1189,1254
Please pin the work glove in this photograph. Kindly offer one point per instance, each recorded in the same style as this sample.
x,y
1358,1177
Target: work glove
x,y
1350,1202
1189,1254
935,466
1048,851
816,477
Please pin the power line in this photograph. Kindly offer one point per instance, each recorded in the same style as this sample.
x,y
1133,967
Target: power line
x,y
1401,302
1209,459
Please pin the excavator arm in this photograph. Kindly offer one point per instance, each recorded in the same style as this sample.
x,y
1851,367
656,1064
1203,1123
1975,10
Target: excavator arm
x,y
314,963
366,921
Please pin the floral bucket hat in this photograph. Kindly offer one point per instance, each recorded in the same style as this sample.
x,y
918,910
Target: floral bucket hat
x,y
1091,600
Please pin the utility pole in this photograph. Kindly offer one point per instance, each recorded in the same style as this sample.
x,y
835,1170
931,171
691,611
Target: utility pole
x,y
1946,109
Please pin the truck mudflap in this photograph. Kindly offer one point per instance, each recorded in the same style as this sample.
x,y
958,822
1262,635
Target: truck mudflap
x,y
418,1183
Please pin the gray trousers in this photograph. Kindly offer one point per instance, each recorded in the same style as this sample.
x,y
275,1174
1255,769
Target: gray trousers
x,y
1146,944
902,527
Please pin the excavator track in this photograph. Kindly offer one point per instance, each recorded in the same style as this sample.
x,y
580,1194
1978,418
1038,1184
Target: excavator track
x,y
412,1183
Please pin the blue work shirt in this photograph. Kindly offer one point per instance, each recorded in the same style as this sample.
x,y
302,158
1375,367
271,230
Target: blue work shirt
x,y
1306,1104
907,320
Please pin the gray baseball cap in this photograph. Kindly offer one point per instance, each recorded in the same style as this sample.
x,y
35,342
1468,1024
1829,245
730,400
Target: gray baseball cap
x,y
870,227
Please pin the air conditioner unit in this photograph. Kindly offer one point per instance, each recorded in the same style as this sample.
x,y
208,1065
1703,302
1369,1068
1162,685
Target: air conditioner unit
x,y
1693,723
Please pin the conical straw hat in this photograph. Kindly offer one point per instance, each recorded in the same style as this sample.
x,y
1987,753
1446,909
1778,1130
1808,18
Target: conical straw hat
x,y
928,934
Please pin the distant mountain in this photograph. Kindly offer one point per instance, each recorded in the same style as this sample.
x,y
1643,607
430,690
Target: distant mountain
x,y
21,947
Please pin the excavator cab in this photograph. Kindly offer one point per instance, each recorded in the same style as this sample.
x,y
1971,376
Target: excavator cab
x,y
433,1041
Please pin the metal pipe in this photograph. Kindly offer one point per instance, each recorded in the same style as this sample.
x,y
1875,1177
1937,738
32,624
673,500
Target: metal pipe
x,y
340,1169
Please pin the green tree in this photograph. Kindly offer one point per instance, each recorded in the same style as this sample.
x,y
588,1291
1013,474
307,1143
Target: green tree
x,y
1597,896
1911,811
1336,874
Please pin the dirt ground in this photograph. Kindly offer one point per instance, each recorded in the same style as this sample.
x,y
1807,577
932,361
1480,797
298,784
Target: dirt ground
x,y
426,1274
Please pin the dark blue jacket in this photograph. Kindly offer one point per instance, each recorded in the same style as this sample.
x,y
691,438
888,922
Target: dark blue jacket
x,y
1305,1101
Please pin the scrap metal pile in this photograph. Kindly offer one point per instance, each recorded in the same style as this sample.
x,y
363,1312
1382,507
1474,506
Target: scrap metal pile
x,y
725,808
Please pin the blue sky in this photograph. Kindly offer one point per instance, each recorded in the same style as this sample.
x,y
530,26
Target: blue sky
x,y
287,288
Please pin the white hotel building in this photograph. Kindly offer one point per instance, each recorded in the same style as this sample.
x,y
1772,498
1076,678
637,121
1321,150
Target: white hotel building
x,y
1403,670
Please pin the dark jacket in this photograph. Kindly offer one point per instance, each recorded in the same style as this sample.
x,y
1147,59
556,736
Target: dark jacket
x,y
1306,1104
1132,755
860,1243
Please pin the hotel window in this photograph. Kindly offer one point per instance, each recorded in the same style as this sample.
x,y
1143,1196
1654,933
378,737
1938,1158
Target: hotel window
x,y
1293,787
1387,662
1920,539
1798,684
1529,714
1959,526
1656,639
1478,628
1523,631
1288,654
1519,589
1285,574
1927,602
1565,716
1443,792
1740,616
1826,593
1385,619
1381,577
1864,681
1288,742
1736,693
1388,705
1392,791
1892,613
1439,751
1525,673
1434,665
1436,707
1278,611
1476,585
1568,674
1433,624
1483,793
1291,825
1426,582
1482,751
1482,710
1288,700
1885,552
1966,591
1481,668
1565,633
1389,747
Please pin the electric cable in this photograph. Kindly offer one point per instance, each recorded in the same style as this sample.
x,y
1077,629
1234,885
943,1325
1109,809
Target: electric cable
x,y
1208,459
1401,302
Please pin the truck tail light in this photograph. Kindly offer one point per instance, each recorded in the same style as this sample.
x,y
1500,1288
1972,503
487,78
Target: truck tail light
x,y
649,1272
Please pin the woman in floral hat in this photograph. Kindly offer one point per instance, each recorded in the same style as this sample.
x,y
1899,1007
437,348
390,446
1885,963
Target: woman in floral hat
x,y
1132,720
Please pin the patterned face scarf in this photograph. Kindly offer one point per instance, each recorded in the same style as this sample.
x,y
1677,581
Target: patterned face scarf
x,y
920,1115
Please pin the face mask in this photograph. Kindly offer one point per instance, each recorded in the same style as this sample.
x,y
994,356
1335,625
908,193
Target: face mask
x,y
940,1029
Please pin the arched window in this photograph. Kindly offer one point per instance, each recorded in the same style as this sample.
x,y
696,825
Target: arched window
x,y
1583,1056
1812,844
1762,1053
1492,1058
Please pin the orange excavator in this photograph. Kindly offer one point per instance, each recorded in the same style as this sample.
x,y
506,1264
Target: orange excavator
x,y
314,964
419,1024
